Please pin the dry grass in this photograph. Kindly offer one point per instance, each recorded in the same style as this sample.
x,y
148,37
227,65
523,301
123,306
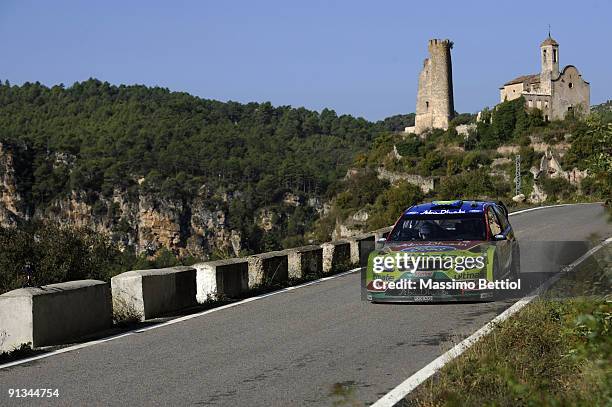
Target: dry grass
x,y
557,351
124,314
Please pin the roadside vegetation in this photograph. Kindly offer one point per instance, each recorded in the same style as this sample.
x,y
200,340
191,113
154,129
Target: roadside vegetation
x,y
54,254
557,351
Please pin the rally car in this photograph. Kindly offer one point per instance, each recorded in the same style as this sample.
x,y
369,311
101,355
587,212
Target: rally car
x,y
444,251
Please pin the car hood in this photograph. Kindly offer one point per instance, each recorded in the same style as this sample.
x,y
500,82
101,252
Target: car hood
x,y
431,246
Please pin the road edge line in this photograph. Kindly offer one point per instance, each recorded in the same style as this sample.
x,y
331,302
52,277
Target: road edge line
x,y
552,206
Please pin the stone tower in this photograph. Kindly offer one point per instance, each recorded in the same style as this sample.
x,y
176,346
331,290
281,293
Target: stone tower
x,y
549,54
435,105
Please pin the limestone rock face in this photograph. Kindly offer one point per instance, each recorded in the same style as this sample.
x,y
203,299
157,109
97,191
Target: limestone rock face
x,y
208,230
159,224
317,204
498,162
347,229
142,222
11,203
508,149
75,210
425,183
291,199
265,219
354,225
537,195
465,129
549,165
551,168
361,215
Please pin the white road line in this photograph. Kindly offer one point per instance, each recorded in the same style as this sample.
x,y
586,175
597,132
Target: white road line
x,y
401,391
551,206
172,321
199,314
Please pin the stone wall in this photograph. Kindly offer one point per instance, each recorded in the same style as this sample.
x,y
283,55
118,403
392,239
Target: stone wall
x,y
510,92
570,92
425,183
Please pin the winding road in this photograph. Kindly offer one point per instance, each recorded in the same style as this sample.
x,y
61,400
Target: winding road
x,y
315,345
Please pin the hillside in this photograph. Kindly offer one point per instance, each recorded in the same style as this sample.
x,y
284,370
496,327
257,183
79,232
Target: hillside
x,y
158,169
604,110
561,161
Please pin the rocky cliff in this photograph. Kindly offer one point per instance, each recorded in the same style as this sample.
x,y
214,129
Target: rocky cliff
x,y
143,222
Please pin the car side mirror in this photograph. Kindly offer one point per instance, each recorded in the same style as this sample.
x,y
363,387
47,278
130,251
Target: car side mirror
x,y
499,237
380,242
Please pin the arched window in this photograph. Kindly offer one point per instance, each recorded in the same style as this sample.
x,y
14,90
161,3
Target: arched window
x,y
554,55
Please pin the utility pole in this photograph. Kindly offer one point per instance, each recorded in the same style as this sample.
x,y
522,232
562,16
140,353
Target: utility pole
x,y
517,174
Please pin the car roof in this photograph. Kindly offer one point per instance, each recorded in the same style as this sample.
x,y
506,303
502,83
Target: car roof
x,y
448,207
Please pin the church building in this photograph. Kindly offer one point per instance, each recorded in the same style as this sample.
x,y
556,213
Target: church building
x,y
552,91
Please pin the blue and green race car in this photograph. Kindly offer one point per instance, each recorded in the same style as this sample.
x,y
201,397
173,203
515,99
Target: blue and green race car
x,y
445,251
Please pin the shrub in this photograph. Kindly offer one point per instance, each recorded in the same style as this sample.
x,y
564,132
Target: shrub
x,y
390,204
57,254
472,185
557,188
432,161
597,186
409,147
474,159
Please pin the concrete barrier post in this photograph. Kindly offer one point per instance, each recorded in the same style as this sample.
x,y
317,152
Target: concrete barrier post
x,y
221,278
303,261
354,249
152,293
336,256
366,246
268,268
54,314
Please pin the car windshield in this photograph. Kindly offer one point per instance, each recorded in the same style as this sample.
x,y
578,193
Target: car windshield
x,y
439,227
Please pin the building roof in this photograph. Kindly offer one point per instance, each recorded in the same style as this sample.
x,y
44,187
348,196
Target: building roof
x,y
526,79
549,41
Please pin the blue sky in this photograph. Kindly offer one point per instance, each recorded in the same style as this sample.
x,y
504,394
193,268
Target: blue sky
x,y
356,57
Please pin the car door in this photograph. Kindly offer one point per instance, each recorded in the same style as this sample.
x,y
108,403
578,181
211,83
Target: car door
x,y
503,247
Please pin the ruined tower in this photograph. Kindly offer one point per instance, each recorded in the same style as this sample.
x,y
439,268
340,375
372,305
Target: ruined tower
x,y
435,107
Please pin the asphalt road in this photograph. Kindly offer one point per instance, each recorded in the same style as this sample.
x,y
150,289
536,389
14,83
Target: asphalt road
x,y
315,345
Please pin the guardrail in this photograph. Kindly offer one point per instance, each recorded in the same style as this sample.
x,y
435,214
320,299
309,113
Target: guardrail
x,y
54,314
153,293
57,313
